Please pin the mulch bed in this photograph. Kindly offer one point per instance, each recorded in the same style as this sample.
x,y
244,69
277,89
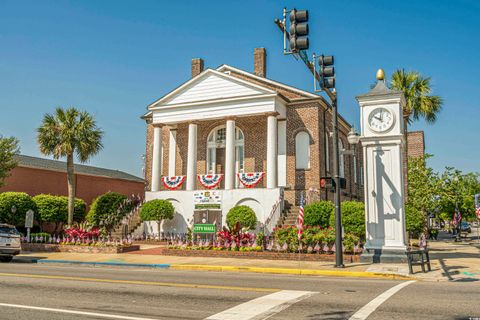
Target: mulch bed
x,y
266,255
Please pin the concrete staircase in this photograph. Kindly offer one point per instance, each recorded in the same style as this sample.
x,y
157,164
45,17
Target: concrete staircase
x,y
290,216
133,222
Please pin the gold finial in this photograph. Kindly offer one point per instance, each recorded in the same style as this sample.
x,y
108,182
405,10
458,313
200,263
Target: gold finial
x,y
380,74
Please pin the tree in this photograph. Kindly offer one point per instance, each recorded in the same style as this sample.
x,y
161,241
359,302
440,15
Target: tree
x,y
243,214
14,206
423,193
8,150
54,209
419,102
67,133
157,210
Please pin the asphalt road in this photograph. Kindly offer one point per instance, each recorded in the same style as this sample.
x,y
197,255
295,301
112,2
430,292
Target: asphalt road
x,y
30,291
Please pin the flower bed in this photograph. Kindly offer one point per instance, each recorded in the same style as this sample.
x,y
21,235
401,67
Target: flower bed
x,y
267,255
49,247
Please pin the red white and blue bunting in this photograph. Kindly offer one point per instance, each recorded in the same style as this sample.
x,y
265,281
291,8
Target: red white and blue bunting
x,y
250,179
173,183
210,181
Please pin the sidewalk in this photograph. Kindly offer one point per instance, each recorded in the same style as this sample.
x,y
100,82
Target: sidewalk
x,y
450,262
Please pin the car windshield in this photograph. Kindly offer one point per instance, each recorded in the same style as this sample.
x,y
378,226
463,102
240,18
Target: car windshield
x,y
7,230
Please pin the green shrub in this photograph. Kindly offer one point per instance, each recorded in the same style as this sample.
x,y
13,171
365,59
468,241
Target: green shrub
x,y
353,218
349,242
318,214
414,221
104,206
243,214
55,208
157,210
21,201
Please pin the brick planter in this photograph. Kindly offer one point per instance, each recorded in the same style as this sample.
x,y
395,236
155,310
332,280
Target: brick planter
x,y
253,255
46,247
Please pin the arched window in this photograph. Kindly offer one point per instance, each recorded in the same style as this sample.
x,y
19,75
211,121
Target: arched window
x,y
216,141
302,150
342,158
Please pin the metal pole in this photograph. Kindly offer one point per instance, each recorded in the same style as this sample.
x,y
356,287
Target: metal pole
x,y
336,172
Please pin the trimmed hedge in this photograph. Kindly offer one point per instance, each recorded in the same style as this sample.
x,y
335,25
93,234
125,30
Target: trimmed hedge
x,y
243,214
353,218
103,206
318,214
22,202
157,210
55,208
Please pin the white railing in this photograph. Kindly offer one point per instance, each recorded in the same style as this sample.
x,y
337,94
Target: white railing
x,y
274,215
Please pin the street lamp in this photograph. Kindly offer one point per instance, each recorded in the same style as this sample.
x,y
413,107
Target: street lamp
x,y
13,209
353,137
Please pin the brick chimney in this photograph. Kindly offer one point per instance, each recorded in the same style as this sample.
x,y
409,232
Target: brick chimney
x,y
197,66
260,62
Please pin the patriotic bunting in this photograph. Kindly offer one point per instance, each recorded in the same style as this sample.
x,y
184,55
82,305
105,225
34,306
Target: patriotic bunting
x,y
250,179
210,181
173,183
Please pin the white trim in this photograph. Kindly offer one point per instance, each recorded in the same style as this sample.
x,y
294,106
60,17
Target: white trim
x,y
201,76
273,82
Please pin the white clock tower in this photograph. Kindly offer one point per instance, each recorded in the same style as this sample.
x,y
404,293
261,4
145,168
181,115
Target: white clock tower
x,y
383,142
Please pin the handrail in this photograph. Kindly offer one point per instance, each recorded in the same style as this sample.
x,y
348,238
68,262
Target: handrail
x,y
274,215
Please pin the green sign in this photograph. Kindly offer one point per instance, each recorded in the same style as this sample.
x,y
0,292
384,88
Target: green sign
x,y
204,228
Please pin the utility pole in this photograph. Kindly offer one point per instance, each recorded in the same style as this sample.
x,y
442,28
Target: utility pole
x,y
295,41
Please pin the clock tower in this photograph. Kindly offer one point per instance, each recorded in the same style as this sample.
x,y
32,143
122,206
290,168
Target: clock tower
x,y
383,141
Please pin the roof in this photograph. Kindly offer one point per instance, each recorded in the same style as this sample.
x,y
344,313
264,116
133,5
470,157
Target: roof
x,y
379,89
61,166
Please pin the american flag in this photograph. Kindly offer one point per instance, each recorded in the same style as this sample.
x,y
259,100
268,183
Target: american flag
x,y
477,211
300,218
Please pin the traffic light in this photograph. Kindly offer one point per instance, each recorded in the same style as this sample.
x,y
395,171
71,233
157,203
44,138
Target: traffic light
x,y
327,71
298,30
327,183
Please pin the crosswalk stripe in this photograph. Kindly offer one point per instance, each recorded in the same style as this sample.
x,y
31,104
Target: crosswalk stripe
x,y
263,307
370,307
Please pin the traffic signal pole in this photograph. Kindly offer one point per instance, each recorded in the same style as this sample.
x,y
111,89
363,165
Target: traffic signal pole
x,y
336,151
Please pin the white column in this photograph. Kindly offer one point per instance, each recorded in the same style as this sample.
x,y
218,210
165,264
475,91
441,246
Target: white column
x,y
230,155
156,157
192,157
172,152
272,152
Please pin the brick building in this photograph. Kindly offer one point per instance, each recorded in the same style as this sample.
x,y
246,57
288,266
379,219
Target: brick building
x,y
37,175
227,121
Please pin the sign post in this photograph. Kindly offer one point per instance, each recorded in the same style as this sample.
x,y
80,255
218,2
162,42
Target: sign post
x,y
29,222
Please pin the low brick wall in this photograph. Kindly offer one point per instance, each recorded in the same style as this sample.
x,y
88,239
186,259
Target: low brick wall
x,y
46,247
256,255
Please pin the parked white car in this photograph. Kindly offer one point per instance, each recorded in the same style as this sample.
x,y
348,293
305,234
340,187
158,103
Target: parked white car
x,y
9,242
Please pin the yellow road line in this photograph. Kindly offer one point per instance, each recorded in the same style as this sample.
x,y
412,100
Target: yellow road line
x,y
138,282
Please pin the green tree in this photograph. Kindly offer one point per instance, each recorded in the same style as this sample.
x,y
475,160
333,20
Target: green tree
x,y
243,214
458,189
54,209
14,206
423,192
318,213
157,210
104,206
8,150
420,103
67,133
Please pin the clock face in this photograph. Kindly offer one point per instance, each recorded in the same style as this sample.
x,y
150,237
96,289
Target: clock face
x,y
380,120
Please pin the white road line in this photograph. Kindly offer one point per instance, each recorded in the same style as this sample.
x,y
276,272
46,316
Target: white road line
x,y
263,307
364,312
83,313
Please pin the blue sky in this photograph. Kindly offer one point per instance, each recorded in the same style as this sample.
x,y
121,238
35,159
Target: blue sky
x,y
112,58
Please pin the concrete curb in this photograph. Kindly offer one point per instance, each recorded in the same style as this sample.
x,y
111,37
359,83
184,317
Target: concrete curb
x,y
196,267
100,263
310,272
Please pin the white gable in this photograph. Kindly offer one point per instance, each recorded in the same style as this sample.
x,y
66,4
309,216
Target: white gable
x,y
211,85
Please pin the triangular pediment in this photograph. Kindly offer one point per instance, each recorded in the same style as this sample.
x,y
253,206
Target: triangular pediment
x,y
211,85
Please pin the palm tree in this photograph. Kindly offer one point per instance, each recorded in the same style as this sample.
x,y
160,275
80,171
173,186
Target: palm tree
x,y
65,133
419,102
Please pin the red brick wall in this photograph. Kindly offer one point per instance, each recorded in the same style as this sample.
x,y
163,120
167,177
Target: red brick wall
x,y
37,181
416,144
